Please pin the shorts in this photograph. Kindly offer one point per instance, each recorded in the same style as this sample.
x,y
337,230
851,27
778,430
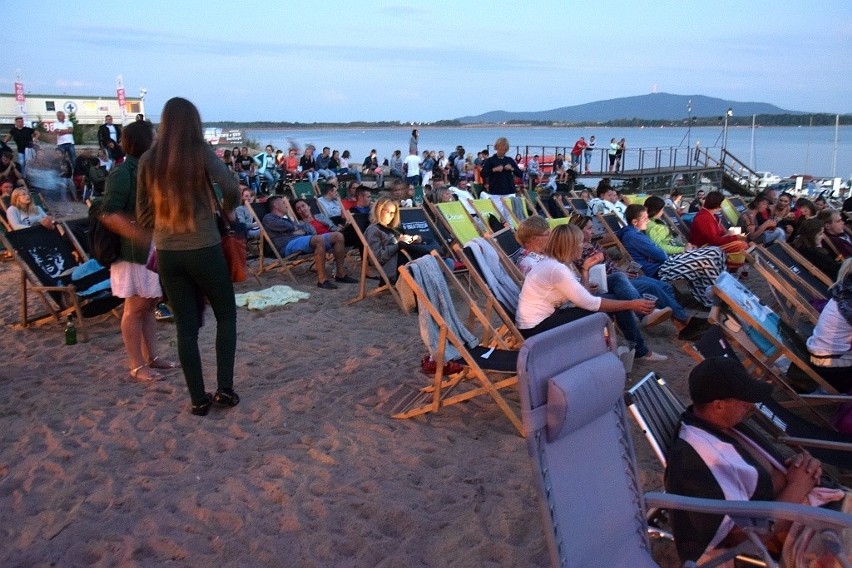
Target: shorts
x,y
303,244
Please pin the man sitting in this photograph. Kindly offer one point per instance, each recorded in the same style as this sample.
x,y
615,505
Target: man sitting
x,y
291,237
713,457
607,202
363,201
330,203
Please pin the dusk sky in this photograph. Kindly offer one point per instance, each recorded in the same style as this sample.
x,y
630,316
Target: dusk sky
x,y
346,61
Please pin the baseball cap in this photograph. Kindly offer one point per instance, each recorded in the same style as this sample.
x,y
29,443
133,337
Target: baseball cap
x,y
720,378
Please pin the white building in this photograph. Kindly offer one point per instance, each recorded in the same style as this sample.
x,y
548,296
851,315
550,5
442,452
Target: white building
x,y
87,109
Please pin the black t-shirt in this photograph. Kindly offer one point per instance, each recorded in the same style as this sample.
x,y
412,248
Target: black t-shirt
x,y
23,137
245,163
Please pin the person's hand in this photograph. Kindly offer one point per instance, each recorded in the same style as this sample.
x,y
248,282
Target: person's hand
x,y
592,288
803,473
48,223
596,258
688,247
642,306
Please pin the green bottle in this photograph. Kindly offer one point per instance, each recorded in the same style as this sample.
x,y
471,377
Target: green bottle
x,y
70,332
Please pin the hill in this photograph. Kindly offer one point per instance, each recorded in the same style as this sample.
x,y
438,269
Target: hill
x,y
654,106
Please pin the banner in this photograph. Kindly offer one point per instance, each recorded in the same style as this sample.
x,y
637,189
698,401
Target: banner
x,y
20,98
119,84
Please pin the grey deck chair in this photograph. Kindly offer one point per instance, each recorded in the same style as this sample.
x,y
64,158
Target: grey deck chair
x,y
577,438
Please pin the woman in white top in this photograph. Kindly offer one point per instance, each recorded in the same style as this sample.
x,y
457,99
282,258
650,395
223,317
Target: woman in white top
x,y
830,345
23,213
553,294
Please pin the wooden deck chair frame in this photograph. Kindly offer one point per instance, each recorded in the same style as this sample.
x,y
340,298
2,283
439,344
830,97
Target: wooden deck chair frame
x,y
512,335
792,295
422,213
579,205
369,259
59,300
742,317
438,394
454,216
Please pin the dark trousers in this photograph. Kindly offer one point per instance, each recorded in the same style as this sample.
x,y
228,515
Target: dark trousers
x,y
188,277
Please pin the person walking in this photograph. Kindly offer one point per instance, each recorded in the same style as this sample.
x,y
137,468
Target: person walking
x,y
175,199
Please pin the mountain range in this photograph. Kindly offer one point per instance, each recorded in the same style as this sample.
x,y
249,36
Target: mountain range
x,y
654,106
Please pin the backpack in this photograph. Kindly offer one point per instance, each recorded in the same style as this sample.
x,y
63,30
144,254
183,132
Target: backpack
x,y
104,245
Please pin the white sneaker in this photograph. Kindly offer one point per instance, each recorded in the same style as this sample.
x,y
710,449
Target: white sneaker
x,y
652,357
656,317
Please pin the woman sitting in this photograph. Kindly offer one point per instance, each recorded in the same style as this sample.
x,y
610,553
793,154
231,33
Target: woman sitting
x,y
809,243
391,246
23,213
553,294
830,345
627,286
244,216
321,223
708,230
699,267
758,223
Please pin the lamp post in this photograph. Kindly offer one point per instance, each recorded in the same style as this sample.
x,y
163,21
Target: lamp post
x,y
729,113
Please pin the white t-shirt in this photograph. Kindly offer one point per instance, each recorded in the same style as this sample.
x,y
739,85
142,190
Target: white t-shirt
x,y
549,286
64,138
412,164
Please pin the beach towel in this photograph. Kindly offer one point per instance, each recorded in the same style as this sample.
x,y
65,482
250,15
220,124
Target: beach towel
x,y
427,273
274,296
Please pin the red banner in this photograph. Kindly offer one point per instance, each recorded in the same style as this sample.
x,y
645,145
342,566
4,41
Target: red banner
x,y
19,92
121,99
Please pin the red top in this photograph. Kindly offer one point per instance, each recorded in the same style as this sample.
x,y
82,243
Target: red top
x,y
578,148
707,230
320,228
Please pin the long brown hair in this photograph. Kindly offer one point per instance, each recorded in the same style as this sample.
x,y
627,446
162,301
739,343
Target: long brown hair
x,y
175,171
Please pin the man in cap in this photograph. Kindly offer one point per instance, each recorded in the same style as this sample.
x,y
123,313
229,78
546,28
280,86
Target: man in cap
x,y
713,457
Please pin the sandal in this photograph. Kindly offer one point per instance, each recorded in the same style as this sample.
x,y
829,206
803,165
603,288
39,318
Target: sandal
x,y
226,397
148,375
203,408
157,363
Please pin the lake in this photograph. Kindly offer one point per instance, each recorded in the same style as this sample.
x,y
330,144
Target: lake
x,y
782,150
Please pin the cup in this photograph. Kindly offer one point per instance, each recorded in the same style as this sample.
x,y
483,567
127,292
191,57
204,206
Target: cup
x,y
651,297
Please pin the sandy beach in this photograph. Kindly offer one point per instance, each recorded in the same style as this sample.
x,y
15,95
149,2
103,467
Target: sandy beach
x,y
309,470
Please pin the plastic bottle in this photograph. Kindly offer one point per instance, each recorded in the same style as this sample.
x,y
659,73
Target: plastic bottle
x,y
70,332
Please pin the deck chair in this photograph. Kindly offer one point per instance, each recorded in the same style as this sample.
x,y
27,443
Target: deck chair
x,y
457,221
771,337
266,249
303,189
806,429
730,212
77,233
369,260
791,259
656,409
508,249
794,298
489,367
579,205
499,290
517,208
46,260
677,225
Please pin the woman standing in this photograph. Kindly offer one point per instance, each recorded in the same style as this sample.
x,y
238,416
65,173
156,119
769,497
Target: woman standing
x,y
130,279
175,198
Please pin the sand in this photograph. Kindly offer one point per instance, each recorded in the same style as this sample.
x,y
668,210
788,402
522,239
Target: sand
x,y
309,470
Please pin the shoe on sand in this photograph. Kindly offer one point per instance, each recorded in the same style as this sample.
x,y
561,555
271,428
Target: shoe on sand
x,y
651,357
656,317
326,285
